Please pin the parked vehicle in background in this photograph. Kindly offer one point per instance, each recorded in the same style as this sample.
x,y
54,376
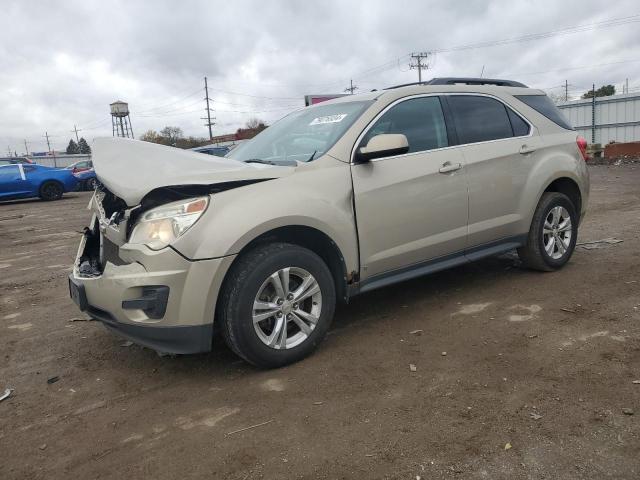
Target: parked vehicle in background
x,y
338,199
86,179
218,151
15,161
80,166
26,181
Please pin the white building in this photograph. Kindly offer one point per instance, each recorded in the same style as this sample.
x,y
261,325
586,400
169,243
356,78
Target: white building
x,y
617,118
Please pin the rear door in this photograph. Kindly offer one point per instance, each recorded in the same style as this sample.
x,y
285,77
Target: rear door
x,y
499,148
410,208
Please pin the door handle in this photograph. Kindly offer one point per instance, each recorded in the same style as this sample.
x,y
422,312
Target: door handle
x,y
448,167
525,149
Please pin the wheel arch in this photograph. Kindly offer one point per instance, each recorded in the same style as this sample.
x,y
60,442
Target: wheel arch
x,y
568,187
313,239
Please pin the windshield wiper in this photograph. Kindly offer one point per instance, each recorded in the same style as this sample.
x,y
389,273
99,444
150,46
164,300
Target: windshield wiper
x,y
259,160
312,155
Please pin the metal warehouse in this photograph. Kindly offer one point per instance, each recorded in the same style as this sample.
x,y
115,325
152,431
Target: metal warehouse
x,y
605,119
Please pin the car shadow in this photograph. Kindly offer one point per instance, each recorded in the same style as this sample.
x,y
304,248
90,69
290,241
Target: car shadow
x,y
373,308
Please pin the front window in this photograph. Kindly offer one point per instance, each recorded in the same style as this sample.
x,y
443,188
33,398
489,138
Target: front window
x,y
419,119
302,135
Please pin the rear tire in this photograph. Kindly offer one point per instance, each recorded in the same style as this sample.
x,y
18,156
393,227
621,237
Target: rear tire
x,y
276,305
553,233
51,190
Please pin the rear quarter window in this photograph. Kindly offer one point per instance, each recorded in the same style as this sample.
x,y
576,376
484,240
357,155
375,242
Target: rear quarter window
x,y
479,119
544,106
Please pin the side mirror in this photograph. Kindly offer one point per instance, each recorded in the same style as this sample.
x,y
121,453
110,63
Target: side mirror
x,y
383,145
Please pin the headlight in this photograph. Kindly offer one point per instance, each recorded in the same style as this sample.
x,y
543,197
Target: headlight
x,y
161,226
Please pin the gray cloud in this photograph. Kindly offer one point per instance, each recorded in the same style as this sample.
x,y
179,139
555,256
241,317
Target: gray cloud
x,y
64,62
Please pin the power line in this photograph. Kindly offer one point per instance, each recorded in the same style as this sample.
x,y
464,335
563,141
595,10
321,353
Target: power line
x,y
252,96
613,22
176,109
145,109
576,68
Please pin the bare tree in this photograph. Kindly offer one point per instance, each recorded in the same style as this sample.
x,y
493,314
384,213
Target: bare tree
x,y
171,135
255,124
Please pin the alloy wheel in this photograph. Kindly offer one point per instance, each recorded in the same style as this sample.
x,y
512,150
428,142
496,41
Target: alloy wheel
x,y
287,308
557,232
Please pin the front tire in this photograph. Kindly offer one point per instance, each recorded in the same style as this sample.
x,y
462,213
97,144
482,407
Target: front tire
x,y
51,191
91,184
277,304
553,233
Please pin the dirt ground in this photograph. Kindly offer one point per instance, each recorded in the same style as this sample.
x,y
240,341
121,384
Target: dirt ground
x,y
543,363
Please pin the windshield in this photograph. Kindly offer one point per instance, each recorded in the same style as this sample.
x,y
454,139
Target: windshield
x,y
302,135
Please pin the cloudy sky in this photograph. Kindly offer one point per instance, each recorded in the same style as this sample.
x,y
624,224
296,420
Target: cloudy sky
x,y
62,63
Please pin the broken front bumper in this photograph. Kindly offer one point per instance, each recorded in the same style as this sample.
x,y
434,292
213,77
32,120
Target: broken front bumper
x,y
158,299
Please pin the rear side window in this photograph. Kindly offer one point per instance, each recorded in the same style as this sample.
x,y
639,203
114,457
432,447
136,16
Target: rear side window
x,y
479,119
543,105
419,119
520,127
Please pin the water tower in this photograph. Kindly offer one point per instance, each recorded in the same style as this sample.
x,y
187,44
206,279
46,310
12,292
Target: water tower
x,y
120,120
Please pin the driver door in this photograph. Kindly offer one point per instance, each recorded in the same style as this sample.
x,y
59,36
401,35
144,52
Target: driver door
x,y
412,208
12,180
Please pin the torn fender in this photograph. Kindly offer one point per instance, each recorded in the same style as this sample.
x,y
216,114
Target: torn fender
x,y
131,168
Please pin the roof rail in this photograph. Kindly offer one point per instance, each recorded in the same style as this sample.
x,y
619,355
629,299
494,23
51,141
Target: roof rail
x,y
464,81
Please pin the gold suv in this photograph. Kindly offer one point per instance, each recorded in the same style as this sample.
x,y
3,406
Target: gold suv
x,y
333,200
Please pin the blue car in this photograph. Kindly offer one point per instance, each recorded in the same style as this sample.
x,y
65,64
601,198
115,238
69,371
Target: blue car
x,y
86,179
218,151
27,181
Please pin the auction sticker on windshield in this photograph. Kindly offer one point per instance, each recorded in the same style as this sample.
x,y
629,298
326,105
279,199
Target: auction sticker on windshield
x,y
328,119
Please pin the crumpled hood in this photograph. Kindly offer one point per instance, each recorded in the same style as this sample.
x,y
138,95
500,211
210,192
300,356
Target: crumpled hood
x,y
131,168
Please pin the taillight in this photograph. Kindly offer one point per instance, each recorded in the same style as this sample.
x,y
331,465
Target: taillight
x,y
582,146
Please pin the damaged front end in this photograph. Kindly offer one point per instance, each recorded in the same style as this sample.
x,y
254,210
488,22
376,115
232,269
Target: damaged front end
x,y
115,224
106,231
146,295
128,273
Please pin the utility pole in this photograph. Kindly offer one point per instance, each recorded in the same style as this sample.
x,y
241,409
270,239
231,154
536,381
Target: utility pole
x,y
75,129
419,65
46,134
626,86
566,90
48,144
593,114
352,88
9,150
26,148
208,110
